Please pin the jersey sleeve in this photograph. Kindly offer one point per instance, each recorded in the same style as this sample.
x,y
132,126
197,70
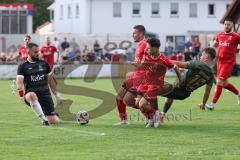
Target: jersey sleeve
x,y
167,62
19,51
193,64
48,67
216,41
211,80
20,70
238,38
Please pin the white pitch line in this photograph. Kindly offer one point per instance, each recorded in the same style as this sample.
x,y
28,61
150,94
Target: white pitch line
x,y
87,133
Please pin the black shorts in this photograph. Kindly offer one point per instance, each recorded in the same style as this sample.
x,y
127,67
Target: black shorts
x,y
46,103
178,93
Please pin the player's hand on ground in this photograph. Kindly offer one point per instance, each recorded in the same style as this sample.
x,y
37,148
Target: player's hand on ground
x,y
202,106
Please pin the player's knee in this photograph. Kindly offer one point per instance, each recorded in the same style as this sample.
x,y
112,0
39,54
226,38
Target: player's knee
x,y
53,119
143,103
221,82
31,96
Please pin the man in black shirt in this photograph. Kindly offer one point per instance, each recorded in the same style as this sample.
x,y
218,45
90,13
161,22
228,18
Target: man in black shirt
x,y
33,74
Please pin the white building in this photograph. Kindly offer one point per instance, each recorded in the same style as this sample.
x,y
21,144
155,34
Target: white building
x,y
172,19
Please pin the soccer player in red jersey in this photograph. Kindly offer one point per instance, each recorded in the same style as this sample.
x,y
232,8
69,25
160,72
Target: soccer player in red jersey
x,y
22,51
47,52
155,70
138,37
227,43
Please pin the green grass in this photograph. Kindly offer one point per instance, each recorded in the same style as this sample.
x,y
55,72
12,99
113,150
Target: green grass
x,y
207,135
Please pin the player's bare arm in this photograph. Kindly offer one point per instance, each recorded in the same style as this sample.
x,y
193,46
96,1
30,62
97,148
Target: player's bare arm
x,y
205,97
19,84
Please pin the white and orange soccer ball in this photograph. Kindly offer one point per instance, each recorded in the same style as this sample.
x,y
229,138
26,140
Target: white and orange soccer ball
x,y
82,117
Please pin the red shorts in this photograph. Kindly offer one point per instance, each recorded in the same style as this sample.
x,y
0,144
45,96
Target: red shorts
x,y
152,92
133,81
224,70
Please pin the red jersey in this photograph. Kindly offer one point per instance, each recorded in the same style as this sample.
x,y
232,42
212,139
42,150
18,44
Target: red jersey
x,y
227,46
48,54
22,52
155,70
140,51
196,44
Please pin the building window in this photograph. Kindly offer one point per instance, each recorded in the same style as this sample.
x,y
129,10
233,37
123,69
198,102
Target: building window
x,y
174,9
136,11
211,9
61,12
193,10
13,22
69,11
155,9
77,11
117,9
227,6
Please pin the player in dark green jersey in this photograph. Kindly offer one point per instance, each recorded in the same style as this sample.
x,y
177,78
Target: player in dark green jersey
x,y
199,73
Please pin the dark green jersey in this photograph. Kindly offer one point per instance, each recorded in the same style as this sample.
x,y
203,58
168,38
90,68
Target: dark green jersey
x,y
198,74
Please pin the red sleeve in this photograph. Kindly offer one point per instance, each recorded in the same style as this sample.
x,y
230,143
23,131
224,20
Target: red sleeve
x,y
238,38
41,50
167,62
55,49
19,51
140,52
216,39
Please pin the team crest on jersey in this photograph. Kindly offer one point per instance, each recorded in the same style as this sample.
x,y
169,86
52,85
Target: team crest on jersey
x,y
40,68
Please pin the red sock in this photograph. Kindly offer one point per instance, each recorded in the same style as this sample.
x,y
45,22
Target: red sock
x,y
151,113
232,88
218,92
121,109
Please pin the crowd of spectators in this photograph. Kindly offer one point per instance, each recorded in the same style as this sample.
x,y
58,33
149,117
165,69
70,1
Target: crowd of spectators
x,y
70,52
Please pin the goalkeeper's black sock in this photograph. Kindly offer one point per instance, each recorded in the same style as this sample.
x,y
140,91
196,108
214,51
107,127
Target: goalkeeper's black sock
x,y
166,107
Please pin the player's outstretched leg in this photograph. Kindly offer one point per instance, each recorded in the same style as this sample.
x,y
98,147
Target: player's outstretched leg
x,y
121,106
167,105
153,114
233,89
32,99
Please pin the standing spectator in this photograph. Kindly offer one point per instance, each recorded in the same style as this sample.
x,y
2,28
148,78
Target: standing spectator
x,y
188,43
169,48
96,46
188,55
74,45
196,47
56,43
65,44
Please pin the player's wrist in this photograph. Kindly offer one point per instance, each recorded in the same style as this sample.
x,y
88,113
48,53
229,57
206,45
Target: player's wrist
x,y
20,93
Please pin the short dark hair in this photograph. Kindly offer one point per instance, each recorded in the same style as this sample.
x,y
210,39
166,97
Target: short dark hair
x,y
27,36
154,42
140,28
31,45
229,19
210,51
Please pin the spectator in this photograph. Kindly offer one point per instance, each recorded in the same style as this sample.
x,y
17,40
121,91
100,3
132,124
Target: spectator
x,y
188,43
188,55
56,43
96,47
65,44
73,44
169,48
196,47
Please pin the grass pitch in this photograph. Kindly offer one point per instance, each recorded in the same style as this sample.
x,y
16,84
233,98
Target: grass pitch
x,y
188,132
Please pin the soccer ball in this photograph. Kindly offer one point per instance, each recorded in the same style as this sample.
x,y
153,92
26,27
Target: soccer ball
x,y
82,117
